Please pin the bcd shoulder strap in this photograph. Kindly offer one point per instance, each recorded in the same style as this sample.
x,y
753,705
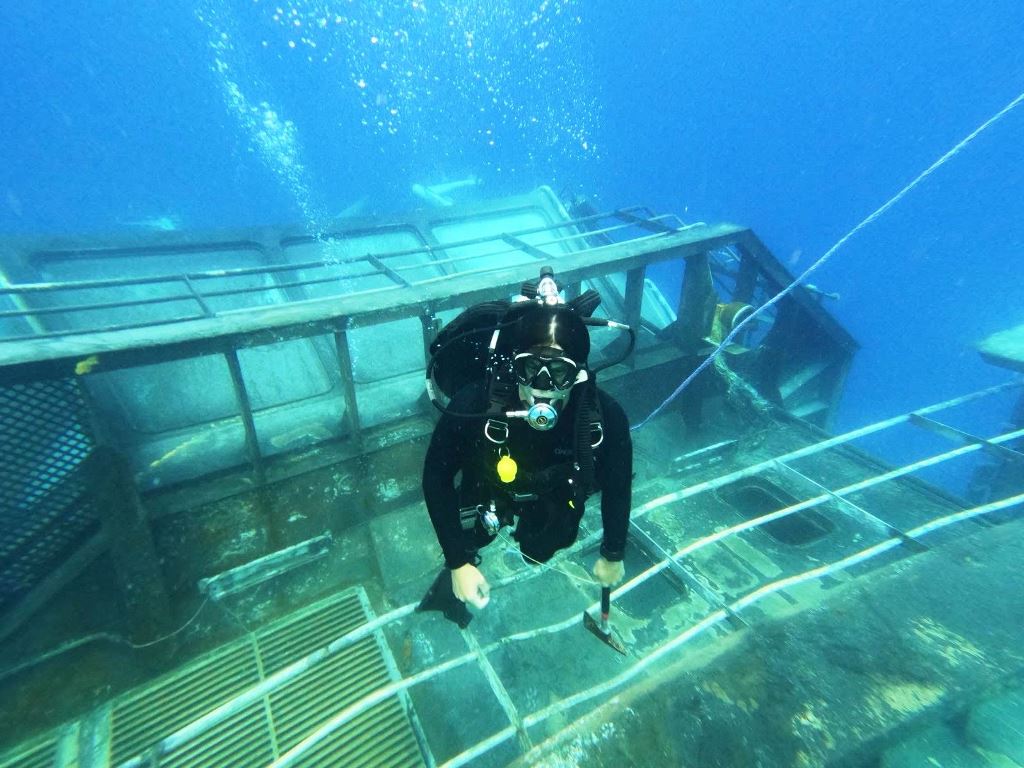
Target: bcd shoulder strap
x,y
588,422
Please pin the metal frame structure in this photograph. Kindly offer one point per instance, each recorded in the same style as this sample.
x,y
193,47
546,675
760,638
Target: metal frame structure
x,y
54,334
890,537
49,351
300,300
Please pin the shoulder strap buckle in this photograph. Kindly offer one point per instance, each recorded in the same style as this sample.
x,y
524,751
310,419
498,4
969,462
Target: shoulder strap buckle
x,y
496,431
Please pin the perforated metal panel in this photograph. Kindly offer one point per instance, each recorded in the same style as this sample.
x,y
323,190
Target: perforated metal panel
x,y
43,512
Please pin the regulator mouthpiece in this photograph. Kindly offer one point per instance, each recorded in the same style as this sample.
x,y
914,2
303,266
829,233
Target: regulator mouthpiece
x,y
542,416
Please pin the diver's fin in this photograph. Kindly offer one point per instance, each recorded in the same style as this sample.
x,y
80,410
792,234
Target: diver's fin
x,y
441,598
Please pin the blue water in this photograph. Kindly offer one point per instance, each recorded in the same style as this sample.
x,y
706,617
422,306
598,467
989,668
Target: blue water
x,y
796,119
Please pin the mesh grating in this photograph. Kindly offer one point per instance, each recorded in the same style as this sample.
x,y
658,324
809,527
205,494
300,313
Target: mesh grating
x,y
293,638
381,737
44,513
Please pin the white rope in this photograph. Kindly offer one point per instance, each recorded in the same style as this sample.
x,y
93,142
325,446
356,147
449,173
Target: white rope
x,y
95,637
829,253
511,548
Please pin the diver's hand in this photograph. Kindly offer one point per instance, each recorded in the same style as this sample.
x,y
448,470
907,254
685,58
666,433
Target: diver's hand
x,y
609,573
470,586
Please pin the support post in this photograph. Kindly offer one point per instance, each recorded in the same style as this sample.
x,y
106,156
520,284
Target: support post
x,y
431,327
245,409
697,300
130,542
348,385
634,301
746,277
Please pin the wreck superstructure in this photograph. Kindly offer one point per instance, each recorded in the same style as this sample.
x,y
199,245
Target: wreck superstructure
x,y
215,439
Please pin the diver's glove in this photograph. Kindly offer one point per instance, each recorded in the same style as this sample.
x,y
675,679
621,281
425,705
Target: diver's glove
x,y
608,572
470,586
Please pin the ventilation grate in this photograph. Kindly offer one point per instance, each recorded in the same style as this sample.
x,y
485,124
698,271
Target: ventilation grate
x,y
179,699
381,737
241,740
372,740
36,754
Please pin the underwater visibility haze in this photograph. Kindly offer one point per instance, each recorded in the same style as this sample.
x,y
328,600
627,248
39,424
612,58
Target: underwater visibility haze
x,y
230,231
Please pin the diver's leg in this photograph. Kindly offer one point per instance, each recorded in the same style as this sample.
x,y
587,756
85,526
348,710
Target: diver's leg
x,y
551,526
529,533
440,597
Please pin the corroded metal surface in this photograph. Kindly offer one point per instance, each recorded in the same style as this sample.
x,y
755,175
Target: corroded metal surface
x,y
916,642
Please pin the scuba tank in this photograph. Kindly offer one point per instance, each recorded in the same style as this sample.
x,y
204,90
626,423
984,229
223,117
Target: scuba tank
x,y
475,347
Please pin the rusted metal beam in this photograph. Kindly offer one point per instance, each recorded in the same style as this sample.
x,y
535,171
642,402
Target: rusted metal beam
x,y
132,549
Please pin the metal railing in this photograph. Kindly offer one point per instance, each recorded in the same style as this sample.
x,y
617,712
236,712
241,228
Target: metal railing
x,y
510,243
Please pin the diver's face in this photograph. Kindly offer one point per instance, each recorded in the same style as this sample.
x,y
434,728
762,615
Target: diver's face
x,y
546,375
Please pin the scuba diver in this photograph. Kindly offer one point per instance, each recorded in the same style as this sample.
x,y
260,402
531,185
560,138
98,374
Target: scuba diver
x,y
526,437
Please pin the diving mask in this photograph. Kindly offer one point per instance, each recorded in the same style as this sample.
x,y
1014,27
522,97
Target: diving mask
x,y
540,371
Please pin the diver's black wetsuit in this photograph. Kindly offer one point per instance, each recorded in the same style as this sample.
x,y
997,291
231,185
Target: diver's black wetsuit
x,y
544,462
